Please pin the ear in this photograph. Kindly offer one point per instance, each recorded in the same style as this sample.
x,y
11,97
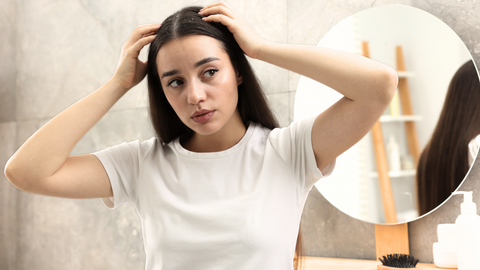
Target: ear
x,y
239,78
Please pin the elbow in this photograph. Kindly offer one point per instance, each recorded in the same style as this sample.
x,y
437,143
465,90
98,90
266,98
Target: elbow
x,y
393,82
387,85
13,175
10,173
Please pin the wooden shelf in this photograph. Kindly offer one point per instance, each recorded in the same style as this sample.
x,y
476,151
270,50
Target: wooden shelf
x,y
405,74
400,118
396,174
318,263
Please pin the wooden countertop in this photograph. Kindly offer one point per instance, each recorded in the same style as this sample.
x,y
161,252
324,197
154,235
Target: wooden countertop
x,y
317,263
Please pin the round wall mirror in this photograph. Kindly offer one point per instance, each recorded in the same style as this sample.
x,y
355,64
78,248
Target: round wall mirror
x,y
431,54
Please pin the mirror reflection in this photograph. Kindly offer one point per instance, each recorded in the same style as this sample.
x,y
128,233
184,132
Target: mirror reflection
x,y
454,144
426,54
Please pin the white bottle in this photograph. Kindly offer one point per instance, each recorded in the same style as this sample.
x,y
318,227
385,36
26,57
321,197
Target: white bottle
x,y
393,152
468,234
445,250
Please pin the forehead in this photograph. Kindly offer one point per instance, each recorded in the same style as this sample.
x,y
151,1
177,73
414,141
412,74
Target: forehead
x,y
186,51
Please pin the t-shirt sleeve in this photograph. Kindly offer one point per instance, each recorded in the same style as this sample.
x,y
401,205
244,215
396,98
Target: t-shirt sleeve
x,y
473,149
294,145
122,164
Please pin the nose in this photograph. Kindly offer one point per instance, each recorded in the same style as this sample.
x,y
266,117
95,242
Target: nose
x,y
196,93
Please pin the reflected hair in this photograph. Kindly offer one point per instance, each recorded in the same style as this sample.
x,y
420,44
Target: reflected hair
x,y
444,162
252,102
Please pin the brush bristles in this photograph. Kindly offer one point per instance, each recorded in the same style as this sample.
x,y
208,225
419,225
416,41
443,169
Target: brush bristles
x,y
399,261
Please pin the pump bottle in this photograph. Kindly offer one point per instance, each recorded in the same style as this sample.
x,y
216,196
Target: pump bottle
x,y
468,234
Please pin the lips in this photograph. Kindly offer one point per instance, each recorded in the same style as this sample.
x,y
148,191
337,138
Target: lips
x,y
200,112
202,116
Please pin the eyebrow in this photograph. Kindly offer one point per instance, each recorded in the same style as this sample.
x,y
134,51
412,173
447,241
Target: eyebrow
x,y
199,63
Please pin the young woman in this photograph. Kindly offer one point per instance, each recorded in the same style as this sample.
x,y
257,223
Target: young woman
x,y
220,187
453,146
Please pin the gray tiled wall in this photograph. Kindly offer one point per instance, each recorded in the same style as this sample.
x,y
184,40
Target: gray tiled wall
x,y
55,52
8,194
7,56
8,201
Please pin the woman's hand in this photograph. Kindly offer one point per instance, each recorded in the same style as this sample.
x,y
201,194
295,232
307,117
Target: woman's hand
x,y
130,70
246,37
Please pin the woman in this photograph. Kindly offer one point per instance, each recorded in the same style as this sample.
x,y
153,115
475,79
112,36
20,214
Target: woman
x,y
448,155
220,187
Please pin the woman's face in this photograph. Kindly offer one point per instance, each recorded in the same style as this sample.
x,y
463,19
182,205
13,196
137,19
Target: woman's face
x,y
200,83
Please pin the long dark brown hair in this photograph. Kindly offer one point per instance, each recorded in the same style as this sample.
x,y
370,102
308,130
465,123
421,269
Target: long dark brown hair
x,y
444,162
252,103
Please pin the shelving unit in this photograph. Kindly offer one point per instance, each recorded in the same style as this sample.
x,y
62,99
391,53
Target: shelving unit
x,y
408,119
400,118
404,91
396,174
394,238
404,74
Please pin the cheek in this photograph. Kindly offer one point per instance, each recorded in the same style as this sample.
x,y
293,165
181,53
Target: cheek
x,y
229,83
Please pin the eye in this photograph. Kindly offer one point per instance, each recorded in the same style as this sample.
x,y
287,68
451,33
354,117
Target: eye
x,y
209,73
175,83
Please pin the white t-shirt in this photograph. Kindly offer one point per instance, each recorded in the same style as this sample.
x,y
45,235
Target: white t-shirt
x,y
473,146
235,209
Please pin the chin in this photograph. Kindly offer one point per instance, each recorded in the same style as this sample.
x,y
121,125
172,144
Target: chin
x,y
205,129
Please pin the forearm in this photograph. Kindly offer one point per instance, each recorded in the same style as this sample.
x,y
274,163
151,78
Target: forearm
x,y
354,76
46,150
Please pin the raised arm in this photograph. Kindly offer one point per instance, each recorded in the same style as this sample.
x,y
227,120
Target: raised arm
x,y
367,86
42,165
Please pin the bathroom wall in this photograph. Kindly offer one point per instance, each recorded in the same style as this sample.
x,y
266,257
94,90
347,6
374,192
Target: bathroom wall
x,y
8,194
55,52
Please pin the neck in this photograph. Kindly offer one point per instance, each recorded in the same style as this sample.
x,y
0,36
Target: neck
x,y
225,138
